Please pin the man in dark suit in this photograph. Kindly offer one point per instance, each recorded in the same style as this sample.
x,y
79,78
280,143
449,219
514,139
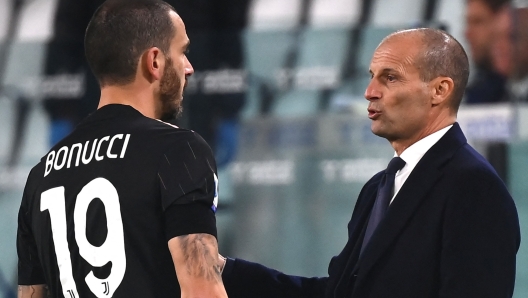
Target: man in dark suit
x,y
439,224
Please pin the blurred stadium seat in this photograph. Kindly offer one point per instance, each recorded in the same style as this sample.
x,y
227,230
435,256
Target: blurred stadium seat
x,y
36,20
269,42
23,126
21,77
23,68
26,53
5,16
397,13
295,103
451,14
266,52
331,13
319,66
274,14
369,39
349,95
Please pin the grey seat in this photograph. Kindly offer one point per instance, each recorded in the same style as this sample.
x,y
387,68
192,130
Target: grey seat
x,y
451,13
274,14
401,13
322,54
349,95
266,53
5,8
268,40
334,13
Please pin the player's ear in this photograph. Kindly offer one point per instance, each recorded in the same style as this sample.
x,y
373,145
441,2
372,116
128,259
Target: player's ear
x,y
153,62
441,89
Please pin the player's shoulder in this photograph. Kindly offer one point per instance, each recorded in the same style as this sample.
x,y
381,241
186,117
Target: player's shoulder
x,y
171,133
34,179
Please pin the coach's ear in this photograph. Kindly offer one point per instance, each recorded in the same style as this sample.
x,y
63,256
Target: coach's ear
x,y
441,89
153,62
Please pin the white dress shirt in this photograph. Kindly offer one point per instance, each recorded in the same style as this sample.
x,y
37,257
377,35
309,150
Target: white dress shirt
x,y
412,156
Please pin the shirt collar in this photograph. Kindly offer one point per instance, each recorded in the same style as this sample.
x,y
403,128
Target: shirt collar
x,y
414,153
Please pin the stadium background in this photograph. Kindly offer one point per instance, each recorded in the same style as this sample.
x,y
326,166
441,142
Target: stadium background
x,y
294,157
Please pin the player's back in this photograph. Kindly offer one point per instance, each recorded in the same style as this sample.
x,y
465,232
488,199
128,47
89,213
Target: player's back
x,y
96,205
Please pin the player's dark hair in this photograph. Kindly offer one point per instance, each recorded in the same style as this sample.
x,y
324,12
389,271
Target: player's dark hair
x,y
120,31
494,5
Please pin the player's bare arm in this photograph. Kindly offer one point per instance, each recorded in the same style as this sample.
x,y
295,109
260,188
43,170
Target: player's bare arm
x,y
197,265
33,291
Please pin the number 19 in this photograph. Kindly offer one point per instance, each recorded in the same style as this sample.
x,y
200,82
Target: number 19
x,y
112,250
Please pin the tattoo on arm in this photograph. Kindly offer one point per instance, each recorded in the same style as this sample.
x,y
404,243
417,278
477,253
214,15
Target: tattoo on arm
x,y
201,256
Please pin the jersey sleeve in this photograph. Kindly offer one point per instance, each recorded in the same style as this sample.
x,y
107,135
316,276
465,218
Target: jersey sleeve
x,y
189,188
30,271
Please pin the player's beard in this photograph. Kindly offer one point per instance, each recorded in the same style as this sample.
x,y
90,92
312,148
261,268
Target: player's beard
x,y
171,92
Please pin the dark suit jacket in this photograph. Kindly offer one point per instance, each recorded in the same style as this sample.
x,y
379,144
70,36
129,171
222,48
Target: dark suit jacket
x,y
452,231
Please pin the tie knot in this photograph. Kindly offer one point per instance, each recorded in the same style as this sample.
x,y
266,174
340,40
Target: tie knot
x,y
395,165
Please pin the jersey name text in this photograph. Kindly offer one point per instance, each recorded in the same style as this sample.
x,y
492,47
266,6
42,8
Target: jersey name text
x,y
86,153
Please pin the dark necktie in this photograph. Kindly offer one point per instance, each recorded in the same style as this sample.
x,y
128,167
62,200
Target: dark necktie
x,y
383,198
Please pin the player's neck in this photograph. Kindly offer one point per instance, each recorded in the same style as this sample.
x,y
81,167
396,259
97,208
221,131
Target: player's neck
x,y
140,99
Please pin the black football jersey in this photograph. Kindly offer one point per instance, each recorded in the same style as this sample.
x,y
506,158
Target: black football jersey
x,y
98,210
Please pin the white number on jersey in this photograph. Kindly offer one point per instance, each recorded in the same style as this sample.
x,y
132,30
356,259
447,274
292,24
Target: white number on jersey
x,y
112,250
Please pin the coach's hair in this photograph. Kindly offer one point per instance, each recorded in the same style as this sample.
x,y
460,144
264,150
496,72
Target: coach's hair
x,y
120,31
441,56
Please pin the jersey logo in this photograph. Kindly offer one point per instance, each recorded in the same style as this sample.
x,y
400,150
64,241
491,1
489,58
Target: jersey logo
x,y
107,288
72,294
215,200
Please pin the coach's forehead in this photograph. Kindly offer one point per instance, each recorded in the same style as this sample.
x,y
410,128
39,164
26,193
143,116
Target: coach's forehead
x,y
399,49
409,40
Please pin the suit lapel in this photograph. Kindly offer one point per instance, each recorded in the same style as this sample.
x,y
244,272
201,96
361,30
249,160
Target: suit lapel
x,y
413,192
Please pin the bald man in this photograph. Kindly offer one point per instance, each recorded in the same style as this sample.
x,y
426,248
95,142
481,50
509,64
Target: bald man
x,y
438,222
